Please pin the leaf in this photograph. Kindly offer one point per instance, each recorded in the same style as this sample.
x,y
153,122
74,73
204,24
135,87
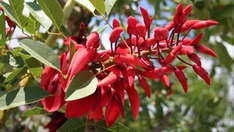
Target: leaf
x,y
83,85
22,96
102,29
87,4
41,52
34,66
99,5
17,7
53,10
8,11
2,29
35,111
14,12
223,56
72,125
17,73
39,15
109,4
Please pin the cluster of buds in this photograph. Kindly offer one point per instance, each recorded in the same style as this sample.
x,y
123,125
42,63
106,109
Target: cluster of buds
x,y
128,59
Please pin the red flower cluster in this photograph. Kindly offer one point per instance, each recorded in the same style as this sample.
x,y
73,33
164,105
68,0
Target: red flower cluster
x,y
129,59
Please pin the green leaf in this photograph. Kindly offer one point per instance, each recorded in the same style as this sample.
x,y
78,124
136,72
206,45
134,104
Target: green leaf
x,y
83,85
8,11
17,7
109,4
53,10
223,56
39,15
17,73
22,96
87,4
2,29
35,111
99,5
34,66
41,52
102,29
15,12
72,125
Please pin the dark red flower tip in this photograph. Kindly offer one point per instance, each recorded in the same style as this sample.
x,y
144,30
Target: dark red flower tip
x,y
115,34
141,29
93,40
131,29
204,24
205,50
195,58
197,39
202,73
160,34
115,23
146,17
145,85
183,80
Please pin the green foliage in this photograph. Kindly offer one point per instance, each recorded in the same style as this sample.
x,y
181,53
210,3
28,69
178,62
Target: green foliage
x,y
53,10
39,15
41,52
2,29
83,85
21,96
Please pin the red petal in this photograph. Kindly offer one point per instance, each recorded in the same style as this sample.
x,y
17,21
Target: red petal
x,y
80,59
165,80
134,101
195,58
205,50
204,24
141,29
115,23
82,106
183,80
53,103
93,40
202,73
131,29
187,10
145,85
115,34
129,59
112,112
146,17
197,39
109,79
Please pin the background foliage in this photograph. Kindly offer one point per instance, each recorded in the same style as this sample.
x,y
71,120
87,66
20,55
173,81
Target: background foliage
x,y
203,109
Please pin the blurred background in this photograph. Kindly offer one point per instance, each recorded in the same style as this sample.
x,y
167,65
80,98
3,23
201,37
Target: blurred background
x,y
203,109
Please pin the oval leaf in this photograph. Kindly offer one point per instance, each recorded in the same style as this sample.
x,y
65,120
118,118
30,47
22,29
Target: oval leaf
x,y
2,29
109,5
87,4
53,10
41,52
22,96
99,5
39,15
83,85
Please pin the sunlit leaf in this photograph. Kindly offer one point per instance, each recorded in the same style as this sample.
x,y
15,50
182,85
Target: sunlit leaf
x,y
83,85
41,52
53,10
39,15
22,96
